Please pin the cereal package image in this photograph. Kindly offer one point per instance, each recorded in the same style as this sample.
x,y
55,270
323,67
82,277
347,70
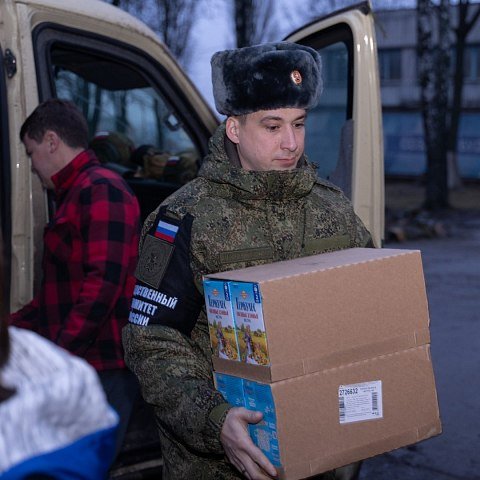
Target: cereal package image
x,y
223,337
248,313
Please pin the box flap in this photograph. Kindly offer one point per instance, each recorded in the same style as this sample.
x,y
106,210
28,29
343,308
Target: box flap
x,y
309,264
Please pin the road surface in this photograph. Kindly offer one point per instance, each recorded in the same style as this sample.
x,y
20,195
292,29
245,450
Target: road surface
x,y
452,275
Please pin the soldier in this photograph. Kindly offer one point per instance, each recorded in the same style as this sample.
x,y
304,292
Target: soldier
x,y
257,200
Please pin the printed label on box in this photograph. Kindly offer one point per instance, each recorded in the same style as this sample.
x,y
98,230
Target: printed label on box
x,y
258,396
248,312
221,325
360,401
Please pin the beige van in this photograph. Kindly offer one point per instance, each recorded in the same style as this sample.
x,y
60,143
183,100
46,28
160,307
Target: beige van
x,y
140,106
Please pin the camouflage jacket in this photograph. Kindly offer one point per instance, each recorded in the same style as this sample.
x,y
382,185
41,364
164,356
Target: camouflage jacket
x,y
227,218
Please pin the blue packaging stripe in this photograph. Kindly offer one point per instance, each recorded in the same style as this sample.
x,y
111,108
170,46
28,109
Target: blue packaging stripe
x,y
231,388
259,396
226,291
256,293
254,396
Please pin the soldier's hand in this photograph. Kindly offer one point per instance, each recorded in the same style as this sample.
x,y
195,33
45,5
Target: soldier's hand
x,y
239,447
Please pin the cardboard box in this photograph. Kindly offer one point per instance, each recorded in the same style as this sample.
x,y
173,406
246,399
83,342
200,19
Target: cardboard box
x,y
320,421
348,373
333,309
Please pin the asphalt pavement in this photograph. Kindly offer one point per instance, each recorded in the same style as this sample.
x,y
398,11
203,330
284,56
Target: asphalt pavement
x,y
452,276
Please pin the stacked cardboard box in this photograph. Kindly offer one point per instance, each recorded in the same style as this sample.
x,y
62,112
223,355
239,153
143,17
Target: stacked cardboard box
x,y
335,350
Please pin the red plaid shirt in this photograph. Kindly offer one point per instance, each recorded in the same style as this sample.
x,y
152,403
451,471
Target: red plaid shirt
x,y
89,259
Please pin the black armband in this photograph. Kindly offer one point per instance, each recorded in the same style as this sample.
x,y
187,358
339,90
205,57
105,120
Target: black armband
x,y
165,292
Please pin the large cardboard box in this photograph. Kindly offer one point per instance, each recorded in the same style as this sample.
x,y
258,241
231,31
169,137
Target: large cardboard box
x,y
348,373
320,421
332,309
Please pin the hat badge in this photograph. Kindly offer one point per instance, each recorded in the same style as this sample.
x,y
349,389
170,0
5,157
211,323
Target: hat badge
x,y
296,77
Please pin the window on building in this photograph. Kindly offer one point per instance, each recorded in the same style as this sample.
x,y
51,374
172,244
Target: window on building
x,y
472,63
390,64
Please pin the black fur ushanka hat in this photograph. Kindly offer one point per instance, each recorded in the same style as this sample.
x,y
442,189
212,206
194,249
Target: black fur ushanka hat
x,y
266,77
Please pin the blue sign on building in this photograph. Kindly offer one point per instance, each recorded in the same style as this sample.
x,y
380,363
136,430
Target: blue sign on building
x,y
405,148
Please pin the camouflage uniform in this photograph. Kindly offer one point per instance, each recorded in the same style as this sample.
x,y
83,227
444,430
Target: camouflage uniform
x,y
227,218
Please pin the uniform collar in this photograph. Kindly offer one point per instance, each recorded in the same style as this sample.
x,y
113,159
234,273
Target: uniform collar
x,y
222,166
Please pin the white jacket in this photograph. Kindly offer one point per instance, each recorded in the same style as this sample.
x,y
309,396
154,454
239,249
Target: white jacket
x,y
58,422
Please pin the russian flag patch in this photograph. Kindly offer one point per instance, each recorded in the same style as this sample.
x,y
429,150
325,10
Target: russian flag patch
x,y
166,231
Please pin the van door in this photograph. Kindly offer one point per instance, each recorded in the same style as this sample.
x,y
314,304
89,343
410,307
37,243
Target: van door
x,y
5,188
344,132
142,111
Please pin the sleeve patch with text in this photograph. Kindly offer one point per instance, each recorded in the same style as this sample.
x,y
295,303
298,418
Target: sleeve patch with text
x,y
165,293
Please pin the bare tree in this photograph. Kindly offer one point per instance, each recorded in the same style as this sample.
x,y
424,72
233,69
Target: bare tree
x,y
172,20
464,26
316,9
253,21
433,30
442,93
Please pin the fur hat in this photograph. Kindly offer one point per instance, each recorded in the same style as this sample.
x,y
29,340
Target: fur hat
x,y
266,77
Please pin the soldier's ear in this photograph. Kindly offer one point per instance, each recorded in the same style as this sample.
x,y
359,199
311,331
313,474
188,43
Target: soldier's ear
x,y
231,129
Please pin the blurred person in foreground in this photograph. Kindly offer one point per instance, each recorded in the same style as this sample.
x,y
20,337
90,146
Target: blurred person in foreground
x,y
55,422
90,251
257,200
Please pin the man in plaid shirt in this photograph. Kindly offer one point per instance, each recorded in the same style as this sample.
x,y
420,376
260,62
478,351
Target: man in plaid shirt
x,y
90,248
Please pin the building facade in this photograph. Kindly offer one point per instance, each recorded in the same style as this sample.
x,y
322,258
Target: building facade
x,y
396,32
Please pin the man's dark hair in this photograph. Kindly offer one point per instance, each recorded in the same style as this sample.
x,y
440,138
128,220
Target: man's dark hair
x,y
61,116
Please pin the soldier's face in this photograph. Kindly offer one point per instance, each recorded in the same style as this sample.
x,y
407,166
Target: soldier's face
x,y
269,139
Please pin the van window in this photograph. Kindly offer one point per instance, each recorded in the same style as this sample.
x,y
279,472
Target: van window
x,y
133,109
329,125
135,124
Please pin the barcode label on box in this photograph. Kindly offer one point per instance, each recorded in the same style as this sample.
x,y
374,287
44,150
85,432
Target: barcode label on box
x,y
360,401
